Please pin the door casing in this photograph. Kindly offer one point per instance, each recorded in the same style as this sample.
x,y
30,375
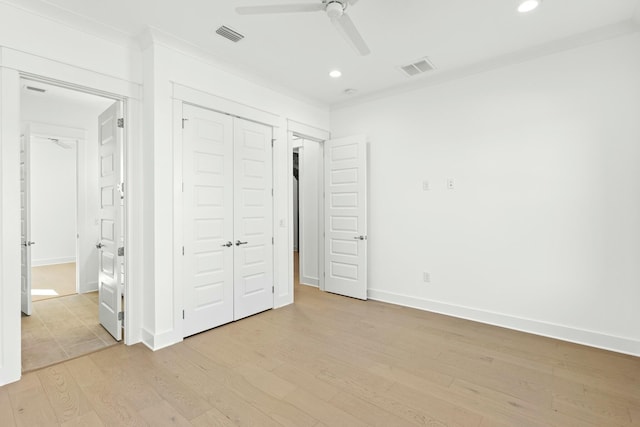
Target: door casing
x,y
132,334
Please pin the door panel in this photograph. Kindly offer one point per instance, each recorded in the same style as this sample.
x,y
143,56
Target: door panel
x,y
25,222
109,278
345,185
253,228
208,219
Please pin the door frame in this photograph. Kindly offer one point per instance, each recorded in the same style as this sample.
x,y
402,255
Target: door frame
x,y
300,130
126,177
301,211
14,66
186,95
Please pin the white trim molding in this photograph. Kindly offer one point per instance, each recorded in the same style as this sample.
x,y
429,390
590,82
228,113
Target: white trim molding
x,y
10,325
545,329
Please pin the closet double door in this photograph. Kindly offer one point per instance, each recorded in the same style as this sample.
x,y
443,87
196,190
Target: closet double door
x,y
227,219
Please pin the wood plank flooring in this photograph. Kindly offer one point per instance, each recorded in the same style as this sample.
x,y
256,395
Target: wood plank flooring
x,y
62,328
53,281
335,361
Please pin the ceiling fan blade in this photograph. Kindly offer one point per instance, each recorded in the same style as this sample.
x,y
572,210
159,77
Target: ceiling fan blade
x,y
346,27
280,8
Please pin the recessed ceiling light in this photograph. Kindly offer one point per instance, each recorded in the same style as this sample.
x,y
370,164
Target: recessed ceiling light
x,y
335,74
528,5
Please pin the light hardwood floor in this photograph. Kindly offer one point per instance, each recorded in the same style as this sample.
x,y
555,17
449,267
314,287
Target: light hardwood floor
x,y
59,278
334,361
62,328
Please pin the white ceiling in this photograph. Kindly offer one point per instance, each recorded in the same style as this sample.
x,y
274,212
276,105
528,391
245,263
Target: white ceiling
x,y
296,51
62,97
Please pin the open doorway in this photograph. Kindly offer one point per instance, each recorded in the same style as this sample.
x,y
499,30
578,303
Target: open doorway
x,y
329,202
54,204
307,210
61,221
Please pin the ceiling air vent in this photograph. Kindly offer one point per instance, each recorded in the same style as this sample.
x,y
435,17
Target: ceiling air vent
x,y
418,67
229,34
35,89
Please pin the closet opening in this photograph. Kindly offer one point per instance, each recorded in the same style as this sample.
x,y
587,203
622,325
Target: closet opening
x,y
307,210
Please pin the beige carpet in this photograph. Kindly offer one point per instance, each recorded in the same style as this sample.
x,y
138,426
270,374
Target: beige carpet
x,y
52,281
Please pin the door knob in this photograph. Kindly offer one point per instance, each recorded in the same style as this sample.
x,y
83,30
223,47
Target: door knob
x,y
228,244
100,245
360,238
25,244
238,243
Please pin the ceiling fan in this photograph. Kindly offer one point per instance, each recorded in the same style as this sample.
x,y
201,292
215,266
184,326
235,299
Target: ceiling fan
x,y
335,10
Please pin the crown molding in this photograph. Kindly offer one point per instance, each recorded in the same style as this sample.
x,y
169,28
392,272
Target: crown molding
x,y
154,36
594,36
73,21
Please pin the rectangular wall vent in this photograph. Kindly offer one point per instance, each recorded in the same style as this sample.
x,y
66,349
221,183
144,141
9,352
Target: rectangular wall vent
x,y
421,66
35,89
229,34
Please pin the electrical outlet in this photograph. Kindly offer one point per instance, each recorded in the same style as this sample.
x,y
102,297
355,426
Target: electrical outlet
x,y
451,184
426,277
425,185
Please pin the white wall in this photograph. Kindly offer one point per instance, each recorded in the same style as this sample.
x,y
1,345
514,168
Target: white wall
x,y
73,56
47,38
64,54
310,190
542,229
53,202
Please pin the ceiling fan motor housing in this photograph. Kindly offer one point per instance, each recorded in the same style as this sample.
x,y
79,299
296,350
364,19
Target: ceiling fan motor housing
x,y
335,9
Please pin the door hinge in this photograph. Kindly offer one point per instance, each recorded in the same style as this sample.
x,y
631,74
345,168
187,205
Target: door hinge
x,y
272,192
182,314
273,289
121,123
121,251
273,241
273,142
183,250
184,120
121,316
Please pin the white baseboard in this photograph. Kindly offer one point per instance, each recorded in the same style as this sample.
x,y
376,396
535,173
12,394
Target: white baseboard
x,y
307,284
158,341
551,330
88,287
309,281
51,261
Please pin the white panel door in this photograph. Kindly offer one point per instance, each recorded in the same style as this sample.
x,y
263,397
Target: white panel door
x,y
207,219
25,221
253,264
345,183
109,279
